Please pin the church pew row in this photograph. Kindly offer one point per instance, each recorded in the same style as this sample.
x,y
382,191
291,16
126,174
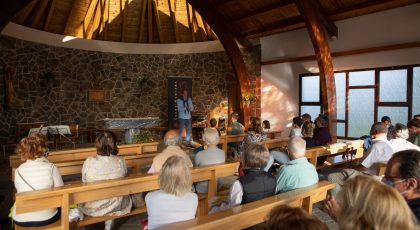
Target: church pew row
x,y
78,192
254,213
335,149
135,163
83,153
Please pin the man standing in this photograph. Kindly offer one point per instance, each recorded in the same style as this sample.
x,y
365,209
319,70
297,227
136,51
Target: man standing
x,y
403,173
185,107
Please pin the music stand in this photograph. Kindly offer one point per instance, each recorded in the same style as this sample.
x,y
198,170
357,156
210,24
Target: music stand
x,y
61,131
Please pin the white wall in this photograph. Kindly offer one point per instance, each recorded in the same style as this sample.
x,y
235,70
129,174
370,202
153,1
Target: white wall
x,y
280,86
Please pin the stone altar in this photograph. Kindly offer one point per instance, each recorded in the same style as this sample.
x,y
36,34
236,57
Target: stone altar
x,y
130,124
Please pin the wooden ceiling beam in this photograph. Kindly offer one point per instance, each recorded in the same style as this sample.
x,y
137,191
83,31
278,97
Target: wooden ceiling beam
x,y
285,23
103,28
74,23
23,14
142,19
326,22
93,31
10,9
190,21
40,12
222,3
172,9
149,20
314,26
156,12
255,13
123,12
49,16
201,29
88,17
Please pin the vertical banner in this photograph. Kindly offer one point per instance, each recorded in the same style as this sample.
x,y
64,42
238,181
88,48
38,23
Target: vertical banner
x,y
175,87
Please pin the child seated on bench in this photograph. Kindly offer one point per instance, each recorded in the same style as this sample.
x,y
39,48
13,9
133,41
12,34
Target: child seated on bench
x,y
35,174
174,201
105,165
256,184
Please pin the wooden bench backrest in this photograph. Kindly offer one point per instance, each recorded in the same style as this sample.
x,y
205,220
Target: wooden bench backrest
x,y
276,143
83,153
248,215
274,134
225,139
78,192
313,153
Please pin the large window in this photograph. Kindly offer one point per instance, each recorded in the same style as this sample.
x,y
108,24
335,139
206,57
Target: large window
x,y
364,96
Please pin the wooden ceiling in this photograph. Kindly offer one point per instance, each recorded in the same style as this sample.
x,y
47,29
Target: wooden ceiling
x,y
175,21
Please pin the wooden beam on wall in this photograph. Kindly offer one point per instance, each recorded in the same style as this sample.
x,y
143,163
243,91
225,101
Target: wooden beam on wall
x,y
323,55
346,53
49,16
208,12
142,19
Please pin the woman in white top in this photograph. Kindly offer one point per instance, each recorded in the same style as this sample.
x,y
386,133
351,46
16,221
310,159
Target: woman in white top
x,y
174,201
105,165
35,174
399,139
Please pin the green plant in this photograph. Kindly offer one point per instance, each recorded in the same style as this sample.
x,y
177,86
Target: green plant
x,y
248,96
143,136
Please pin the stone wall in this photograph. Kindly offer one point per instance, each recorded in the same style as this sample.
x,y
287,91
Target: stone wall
x,y
53,83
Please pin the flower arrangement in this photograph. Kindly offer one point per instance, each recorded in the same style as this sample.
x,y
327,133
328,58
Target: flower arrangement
x,y
143,136
248,96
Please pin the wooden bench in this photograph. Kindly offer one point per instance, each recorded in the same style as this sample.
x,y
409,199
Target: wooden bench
x,y
276,143
133,162
83,153
274,134
78,192
225,139
254,213
335,149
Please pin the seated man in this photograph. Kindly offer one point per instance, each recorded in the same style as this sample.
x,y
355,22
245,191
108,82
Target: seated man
x,y
171,140
298,172
380,152
209,156
236,127
387,121
403,173
414,129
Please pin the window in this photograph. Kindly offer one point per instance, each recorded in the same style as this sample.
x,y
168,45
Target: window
x,y
364,96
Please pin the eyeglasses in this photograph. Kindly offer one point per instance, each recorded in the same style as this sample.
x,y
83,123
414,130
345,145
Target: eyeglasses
x,y
389,181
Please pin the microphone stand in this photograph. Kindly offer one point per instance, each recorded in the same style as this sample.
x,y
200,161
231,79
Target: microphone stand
x,y
74,144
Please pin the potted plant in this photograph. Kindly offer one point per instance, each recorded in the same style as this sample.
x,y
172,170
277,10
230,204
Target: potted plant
x,y
247,97
143,136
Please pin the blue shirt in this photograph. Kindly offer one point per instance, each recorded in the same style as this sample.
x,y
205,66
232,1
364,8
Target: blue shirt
x,y
182,105
296,174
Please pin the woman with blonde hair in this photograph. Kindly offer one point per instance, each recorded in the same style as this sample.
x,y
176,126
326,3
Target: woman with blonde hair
x,y
174,201
365,203
105,165
35,174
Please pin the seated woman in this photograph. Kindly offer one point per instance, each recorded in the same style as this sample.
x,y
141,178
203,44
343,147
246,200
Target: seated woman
x,y
35,174
266,126
322,135
211,155
105,165
256,184
174,201
399,139
365,203
296,127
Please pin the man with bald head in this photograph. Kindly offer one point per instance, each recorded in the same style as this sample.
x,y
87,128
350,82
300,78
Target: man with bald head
x,y
298,172
171,140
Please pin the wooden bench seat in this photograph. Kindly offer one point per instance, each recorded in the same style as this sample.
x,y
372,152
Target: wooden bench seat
x,y
78,192
254,213
83,153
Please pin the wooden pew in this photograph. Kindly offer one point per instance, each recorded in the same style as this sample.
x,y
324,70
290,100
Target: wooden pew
x,y
83,153
251,214
133,162
274,134
225,139
334,149
78,192
276,143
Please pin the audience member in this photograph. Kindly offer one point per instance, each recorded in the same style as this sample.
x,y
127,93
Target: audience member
x,y
322,135
399,139
35,173
235,127
255,134
387,121
171,140
105,165
266,126
174,201
296,127
414,130
298,172
307,126
380,152
365,203
284,217
417,116
403,173
211,155
213,124
256,184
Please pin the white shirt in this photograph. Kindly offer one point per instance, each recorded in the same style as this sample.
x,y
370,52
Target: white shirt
x,y
295,132
400,144
380,152
164,208
183,113
40,174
